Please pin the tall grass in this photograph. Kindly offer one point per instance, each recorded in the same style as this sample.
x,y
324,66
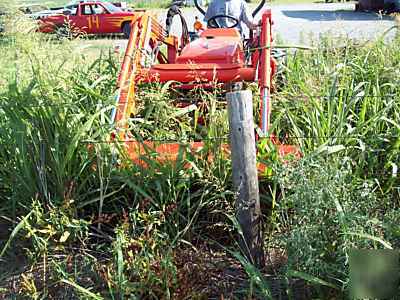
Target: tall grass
x,y
63,183
345,99
341,105
94,225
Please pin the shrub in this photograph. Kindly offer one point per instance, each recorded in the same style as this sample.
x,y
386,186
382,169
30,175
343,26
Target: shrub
x,y
325,212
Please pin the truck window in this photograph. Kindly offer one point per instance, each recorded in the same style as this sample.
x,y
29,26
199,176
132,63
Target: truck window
x,y
99,9
86,9
111,8
73,9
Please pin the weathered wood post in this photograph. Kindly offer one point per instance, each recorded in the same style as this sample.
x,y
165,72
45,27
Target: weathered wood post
x,y
245,176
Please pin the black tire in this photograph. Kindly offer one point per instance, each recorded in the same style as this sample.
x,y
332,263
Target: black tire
x,y
126,29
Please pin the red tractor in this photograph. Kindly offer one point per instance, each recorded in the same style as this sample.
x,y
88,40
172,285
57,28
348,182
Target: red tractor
x,y
219,56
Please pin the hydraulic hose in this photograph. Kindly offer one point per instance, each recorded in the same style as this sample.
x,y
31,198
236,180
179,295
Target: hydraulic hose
x,y
173,11
201,10
258,8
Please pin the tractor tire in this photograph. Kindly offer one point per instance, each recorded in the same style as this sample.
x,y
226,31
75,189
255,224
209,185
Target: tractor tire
x,y
126,29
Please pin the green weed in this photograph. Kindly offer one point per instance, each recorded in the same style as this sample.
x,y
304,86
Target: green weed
x,y
92,224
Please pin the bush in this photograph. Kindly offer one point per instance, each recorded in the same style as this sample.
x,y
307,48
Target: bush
x,y
326,211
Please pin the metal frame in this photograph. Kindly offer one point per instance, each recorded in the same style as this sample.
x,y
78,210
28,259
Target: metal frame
x,y
147,34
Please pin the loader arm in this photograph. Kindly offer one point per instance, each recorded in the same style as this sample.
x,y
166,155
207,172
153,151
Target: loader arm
x,y
145,32
216,57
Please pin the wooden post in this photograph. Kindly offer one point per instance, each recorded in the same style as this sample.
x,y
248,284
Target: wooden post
x,y
245,175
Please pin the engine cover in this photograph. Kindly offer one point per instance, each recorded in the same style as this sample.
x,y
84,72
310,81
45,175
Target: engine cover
x,y
221,46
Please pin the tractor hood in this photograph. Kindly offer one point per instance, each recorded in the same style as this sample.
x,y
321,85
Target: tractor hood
x,y
214,46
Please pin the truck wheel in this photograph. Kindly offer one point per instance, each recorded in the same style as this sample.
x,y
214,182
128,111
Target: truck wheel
x,y
126,29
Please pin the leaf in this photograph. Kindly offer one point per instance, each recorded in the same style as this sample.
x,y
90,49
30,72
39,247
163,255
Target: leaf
x,y
397,125
82,290
166,86
15,232
385,244
254,274
196,169
394,169
330,149
182,111
98,80
65,236
311,278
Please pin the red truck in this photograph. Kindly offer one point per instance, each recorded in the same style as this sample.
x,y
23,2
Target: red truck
x,y
94,17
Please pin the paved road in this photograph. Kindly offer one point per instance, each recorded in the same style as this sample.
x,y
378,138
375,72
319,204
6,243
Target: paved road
x,y
298,22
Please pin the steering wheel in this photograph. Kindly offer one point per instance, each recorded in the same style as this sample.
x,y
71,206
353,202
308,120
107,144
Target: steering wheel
x,y
213,23
258,8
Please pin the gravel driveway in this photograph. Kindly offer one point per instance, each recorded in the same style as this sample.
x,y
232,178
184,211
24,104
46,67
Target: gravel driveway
x,y
298,22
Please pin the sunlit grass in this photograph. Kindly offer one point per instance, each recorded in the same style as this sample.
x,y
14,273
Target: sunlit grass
x,y
89,222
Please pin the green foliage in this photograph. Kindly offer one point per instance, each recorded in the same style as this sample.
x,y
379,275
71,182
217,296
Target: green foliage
x,y
144,264
44,127
73,186
345,98
326,212
94,225
257,279
341,106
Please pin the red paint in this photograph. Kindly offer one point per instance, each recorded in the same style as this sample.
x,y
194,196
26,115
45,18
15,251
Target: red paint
x,y
223,50
216,58
186,73
138,152
100,23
